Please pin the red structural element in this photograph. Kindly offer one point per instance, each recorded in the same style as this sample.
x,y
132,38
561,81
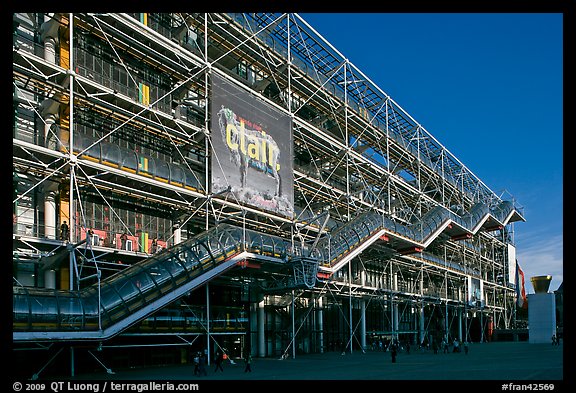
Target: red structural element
x,y
462,237
245,263
494,228
384,238
410,250
323,275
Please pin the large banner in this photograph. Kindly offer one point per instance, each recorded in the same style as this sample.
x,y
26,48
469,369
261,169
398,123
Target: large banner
x,y
511,264
252,149
521,300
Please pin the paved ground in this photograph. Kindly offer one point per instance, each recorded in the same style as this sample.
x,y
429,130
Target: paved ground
x,y
497,361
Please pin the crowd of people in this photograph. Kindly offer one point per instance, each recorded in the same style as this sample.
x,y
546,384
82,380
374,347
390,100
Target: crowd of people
x,y
395,346
201,360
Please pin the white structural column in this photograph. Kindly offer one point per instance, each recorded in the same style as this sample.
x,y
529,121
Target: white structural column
x,y
261,337
253,328
421,324
320,324
72,157
292,317
49,212
482,339
50,279
50,230
363,324
208,318
460,324
177,233
363,311
395,306
421,310
49,33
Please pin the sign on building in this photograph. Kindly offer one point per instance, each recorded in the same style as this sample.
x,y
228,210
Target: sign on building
x,y
251,149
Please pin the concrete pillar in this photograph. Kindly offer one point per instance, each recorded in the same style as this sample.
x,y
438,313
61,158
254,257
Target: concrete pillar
x,y
261,336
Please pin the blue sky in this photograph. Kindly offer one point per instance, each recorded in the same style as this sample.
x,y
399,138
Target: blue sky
x,y
487,86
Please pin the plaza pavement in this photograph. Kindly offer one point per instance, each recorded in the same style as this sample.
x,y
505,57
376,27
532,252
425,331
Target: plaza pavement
x,y
495,361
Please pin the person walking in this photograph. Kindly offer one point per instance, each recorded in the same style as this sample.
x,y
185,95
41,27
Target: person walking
x,y
466,347
248,361
219,359
393,352
456,346
202,365
197,363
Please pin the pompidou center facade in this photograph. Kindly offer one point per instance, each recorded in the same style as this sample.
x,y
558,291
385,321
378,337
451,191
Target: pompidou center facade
x,y
200,182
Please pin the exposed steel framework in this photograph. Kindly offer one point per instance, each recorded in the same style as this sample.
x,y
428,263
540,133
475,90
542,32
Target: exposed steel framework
x,y
112,132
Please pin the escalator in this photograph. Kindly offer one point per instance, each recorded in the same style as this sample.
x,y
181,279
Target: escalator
x,y
135,293
349,240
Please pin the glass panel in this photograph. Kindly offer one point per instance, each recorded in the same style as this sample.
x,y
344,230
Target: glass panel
x,y
90,303
177,176
191,179
216,248
171,265
163,278
71,315
146,165
142,280
111,154
162,171
267,245
279,248
255,244
201,252
129,160
20,311
109,298
44,312
127,288
188,258
78,142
